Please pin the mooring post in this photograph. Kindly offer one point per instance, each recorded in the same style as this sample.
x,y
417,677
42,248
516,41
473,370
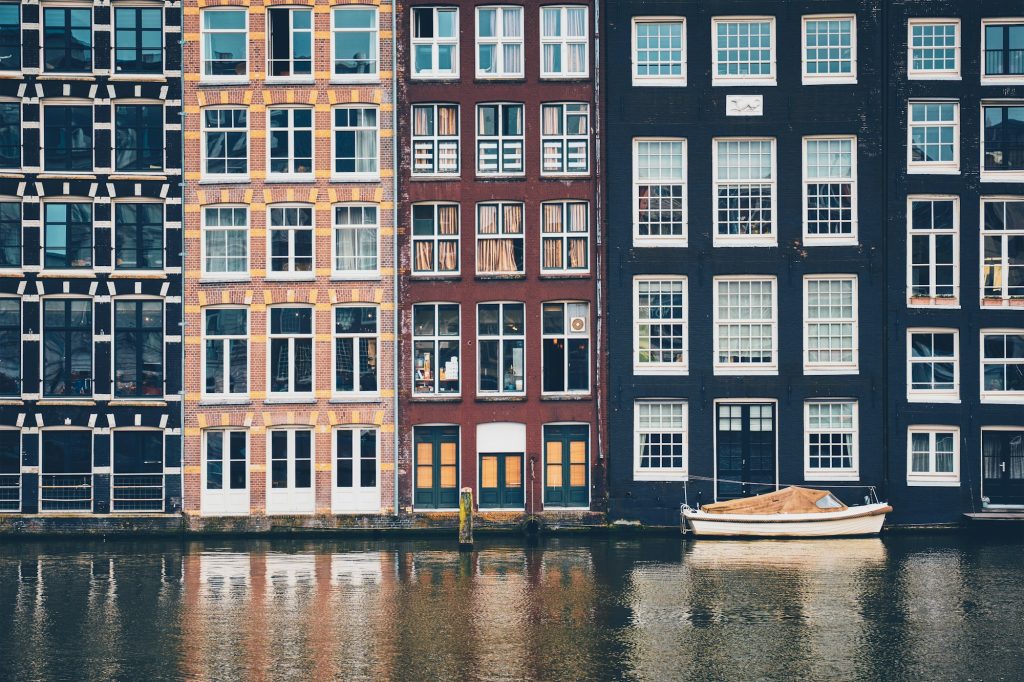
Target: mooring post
x,y
466,518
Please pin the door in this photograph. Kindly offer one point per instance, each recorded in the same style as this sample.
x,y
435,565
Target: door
x,y
501,481
356,470
1003,466
225,473
745,449
290,474
437,467
566,466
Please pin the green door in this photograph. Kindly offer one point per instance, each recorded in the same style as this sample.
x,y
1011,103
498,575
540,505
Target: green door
x,y
437,467
501,481
566,465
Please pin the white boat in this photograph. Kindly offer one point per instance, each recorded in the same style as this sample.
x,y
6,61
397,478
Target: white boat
x,y
793,512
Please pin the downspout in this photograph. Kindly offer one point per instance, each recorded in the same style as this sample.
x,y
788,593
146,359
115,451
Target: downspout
x,y
395,164
886,163
598,237
184,253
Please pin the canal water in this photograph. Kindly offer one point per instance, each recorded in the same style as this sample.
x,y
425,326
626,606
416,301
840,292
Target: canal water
x,y
903,607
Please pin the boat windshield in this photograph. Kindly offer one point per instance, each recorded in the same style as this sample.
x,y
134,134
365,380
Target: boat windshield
x,y
828,502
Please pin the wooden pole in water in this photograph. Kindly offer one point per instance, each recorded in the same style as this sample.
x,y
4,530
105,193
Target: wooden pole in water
x,y
466,518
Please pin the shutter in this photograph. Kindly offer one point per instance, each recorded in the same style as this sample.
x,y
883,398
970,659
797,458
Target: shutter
x,y
101,38
103,153
172,368
102,382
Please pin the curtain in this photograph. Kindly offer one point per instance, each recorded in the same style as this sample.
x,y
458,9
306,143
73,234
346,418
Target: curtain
x,y
553,253
447,255
496,255
577,253
513,218
552,218
488,219
577,218
552,120
510,22
424,256
448,219
552,22
447,121
366,151
421,121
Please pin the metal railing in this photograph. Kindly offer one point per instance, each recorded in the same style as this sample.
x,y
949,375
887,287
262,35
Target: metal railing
x,y
137,493
10,492
65,492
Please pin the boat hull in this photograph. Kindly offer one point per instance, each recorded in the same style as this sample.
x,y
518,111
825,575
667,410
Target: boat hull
x,y
864,520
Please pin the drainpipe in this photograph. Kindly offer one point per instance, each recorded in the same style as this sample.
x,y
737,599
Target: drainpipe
x,y
184,253
395,163
598,236
887,79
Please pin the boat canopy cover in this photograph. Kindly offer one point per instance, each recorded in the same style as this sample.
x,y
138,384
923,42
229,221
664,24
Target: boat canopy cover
x,y
792,500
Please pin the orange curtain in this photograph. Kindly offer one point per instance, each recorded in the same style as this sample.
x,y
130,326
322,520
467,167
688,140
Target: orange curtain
x,y
424,255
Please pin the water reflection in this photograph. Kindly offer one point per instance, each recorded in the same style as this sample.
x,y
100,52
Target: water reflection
x,y
563,609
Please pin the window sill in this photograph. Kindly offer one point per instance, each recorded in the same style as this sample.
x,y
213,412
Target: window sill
x,y
652,83
731,371
52,401
62,175
1002,303
226,180
140,77
831,476
296,179
354,179
355,398
435,398
506,398
500,277
674,243
811,80
938,398
11,401
436,177
933,482
502,176
12,272
338,80
568,397
213,402
55,76
452,78
432,277
1016,175
217,82
831,371
743,242
933,302
655,476
565,77
291,278
817,241
564,275
225,280
290,80
137,402
137,274
12,173
930,76
138,175
1003,398
932,170
291,400
355,277
1012,79
84,272
662,370
743,82
561,177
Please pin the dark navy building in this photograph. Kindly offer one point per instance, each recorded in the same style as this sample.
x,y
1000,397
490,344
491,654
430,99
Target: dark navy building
x,y
90,258
746,250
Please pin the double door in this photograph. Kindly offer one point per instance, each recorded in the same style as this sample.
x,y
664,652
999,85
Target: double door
x,y
745,449
1003,466
501,480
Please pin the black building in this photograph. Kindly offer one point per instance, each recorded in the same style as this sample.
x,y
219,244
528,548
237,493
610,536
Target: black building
x,y
745,250
90,257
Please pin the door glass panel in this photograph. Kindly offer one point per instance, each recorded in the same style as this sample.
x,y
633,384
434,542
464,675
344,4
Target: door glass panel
x,y
489,471
554,460
513,471
578,463
424,465
449,458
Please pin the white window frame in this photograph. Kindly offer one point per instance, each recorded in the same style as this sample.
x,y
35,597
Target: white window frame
x,y
1014,175
225,340
436,238
661,368
771,239
742,80
371,77
500,338
563,42
357,498
1002,301
660,473
500,139
743,369
136,298
357,176
291,395
566,334
933,74
436,339
14,505
921,395
242,275
436,141
565,236
499,42
829,79
336,228
291,273
830,239
501,235
225,177
658,81
998,79
224,502
292,77
838,474
357,393
932,233
434,43
563,143
933,478
933,167
291,129
817,368
998,397
240,78
660,240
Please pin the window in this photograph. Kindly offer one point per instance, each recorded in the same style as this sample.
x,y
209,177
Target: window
x,y
227,467
435,339
934,137
499,42
355,349
67,137
289,42
290,471
356,152
933,373
436,467
225,241
565,145
745,326
67,39
660,450
566,347
830,49
659,51
744,51
226,134
830,189
435,42
744,172
355,43
435,239
226,352
10,347
65,480
10,133
291,350
291,142
67,237
933,455
934,46
355,240
499,238
1002,242
138,40
10,36
1003,49
10,234
67,347
1002,143
565,237
566,465
831,440
138,236
139,131
499,139
355,456
659,325
291,241
933,256
501,342
435,139
10,469
1002,365
138,349
830,325
564,42
137,483
225,44
659,191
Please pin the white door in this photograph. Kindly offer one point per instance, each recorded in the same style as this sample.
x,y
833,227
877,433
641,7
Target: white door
x,y
225,473
356,486
290,472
